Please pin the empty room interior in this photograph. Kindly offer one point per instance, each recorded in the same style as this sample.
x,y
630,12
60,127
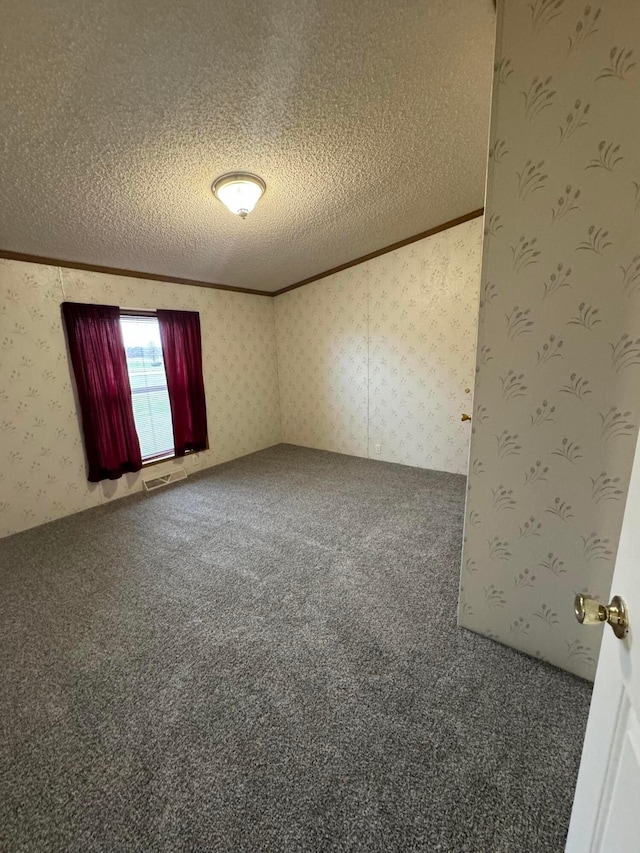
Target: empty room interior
x,y
319,400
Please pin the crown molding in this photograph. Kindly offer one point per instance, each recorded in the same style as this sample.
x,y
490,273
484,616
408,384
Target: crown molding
x,y
170,279
466,217
147,276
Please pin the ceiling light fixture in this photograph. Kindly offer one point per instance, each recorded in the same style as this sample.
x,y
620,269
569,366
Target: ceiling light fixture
x,y
239,191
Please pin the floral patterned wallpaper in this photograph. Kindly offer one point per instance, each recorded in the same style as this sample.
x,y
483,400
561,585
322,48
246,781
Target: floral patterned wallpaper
x,y
378,354
557,394
423,320
42,466
321,334
381,354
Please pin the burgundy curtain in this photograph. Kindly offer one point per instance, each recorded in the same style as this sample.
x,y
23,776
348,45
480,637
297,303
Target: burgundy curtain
x,y
100,369
182,353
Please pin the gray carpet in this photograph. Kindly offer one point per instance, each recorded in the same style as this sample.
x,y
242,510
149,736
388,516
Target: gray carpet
x,y
266,658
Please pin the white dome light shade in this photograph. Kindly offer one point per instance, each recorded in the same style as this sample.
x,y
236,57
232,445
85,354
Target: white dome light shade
x,y
239,191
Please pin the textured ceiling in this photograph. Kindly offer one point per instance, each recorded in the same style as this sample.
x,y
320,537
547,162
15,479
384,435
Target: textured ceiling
x,y
368,120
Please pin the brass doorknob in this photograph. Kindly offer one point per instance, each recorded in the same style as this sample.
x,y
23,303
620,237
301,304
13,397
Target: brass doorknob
x,y
465,417
588,611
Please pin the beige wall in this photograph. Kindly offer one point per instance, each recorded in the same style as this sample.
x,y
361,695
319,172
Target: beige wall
x,y
557,398
42,467
321,334
381,353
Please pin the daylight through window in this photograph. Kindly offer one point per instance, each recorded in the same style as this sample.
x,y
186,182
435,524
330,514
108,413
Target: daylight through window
x,y
151,409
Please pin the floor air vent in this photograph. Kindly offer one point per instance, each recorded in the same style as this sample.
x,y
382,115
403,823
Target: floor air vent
x,y
159,480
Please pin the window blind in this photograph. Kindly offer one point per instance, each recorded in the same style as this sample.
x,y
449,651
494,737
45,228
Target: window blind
x,y
151,409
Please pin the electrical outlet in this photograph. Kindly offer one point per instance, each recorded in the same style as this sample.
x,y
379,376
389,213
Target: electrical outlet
x,y
378,449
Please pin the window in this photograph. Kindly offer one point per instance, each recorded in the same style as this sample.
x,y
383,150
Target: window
x,y
151,409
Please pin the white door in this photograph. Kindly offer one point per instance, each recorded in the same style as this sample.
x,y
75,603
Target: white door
x,y
606,808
